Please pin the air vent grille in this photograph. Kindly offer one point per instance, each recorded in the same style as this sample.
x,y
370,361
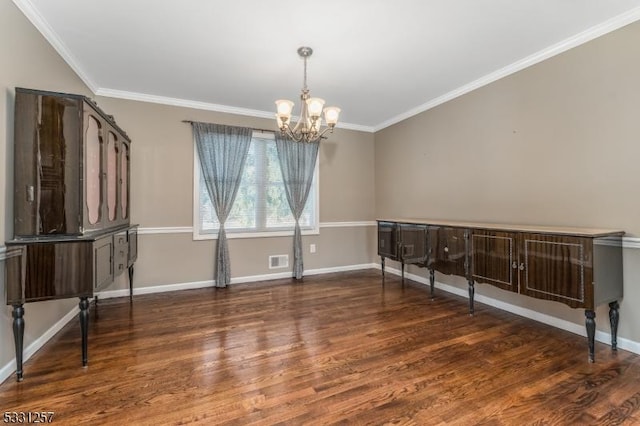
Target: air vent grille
x,y
279,261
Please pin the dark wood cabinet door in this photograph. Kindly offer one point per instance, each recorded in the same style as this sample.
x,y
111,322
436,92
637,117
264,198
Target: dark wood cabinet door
x,y
447,250
104,262
557,268
494,258
387,240
413,243
46,165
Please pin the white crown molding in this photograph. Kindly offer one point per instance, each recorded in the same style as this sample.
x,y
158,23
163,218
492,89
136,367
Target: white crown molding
x,y
184,103
608,26
581,38
32,14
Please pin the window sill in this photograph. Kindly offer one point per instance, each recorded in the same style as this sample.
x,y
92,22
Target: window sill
x,y
233,235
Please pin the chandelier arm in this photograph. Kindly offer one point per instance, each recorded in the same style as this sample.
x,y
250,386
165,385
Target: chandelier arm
x,y
322,134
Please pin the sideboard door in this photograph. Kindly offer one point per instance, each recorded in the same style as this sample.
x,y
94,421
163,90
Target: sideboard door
x,y
494,258
447,250
556,267
388,240
413,243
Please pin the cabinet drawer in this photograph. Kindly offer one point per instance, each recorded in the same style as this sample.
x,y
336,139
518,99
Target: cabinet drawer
x,y
121,253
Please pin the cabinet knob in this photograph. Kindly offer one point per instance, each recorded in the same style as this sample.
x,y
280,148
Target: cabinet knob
x,y
514,265
446,249
521,267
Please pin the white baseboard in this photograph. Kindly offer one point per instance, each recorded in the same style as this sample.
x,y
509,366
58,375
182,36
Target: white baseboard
x,y
601,336
626,344
7,370
10,368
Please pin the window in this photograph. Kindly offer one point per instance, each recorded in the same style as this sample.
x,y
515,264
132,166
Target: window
x,y
261,207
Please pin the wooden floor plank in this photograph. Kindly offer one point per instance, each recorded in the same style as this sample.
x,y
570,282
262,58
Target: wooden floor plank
x,y
333,349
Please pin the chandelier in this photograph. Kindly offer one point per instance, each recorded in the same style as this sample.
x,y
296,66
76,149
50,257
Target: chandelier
x,y
309,125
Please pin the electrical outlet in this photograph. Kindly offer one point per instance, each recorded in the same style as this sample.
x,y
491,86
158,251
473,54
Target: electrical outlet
x,y
312,248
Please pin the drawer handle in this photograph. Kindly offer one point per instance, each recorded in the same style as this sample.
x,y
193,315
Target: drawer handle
x,y
521,267
514,265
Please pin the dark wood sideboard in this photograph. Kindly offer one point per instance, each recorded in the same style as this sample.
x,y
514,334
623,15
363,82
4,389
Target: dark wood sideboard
x,y
580,267
72,233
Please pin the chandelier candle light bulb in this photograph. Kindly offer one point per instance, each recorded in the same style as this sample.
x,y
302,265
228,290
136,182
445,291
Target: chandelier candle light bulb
x,y
309,125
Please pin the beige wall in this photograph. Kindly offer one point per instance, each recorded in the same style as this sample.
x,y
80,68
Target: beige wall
x,y
162,184
555,144
162,194
26,60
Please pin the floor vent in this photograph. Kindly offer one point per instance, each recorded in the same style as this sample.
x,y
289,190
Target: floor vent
x,y
279,261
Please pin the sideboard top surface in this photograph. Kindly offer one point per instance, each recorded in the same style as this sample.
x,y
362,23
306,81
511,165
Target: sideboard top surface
x,y
537,229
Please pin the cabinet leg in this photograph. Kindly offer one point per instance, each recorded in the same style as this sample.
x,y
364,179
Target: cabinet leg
x,y
18,337
472,292
432,281
382,264
591,332
402,273
84,327
131,281
614,316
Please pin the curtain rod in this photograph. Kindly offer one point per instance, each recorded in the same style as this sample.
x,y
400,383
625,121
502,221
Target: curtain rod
x,y
252,128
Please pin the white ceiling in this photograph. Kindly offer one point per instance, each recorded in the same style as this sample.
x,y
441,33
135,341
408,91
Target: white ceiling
x,y
379,60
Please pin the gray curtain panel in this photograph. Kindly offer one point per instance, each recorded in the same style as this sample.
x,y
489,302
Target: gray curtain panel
x,y
297,163
222,151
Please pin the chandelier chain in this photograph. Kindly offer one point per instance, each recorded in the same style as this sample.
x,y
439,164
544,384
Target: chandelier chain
x,y
304,87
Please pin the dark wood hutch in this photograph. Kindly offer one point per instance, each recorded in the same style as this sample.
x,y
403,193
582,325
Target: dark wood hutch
x,y
580,267
72,234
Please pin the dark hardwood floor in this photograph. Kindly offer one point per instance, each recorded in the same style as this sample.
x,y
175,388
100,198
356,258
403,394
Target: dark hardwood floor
x,y
337,348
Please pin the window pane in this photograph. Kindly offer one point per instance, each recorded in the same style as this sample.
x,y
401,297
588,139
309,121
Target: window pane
x,y
261,203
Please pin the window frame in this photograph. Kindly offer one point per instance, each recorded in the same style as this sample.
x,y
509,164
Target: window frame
x,y
231,234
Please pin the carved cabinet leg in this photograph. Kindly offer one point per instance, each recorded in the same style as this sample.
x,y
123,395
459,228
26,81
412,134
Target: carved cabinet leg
x,y
614,316
18,337
591,332
84,327
432,281
472,292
